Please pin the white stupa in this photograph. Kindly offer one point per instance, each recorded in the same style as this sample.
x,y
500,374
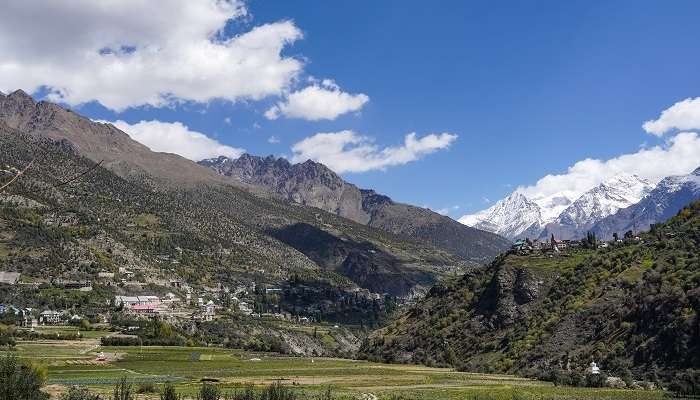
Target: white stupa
x,y
594,369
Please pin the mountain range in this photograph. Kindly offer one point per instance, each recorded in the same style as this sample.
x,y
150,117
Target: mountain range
x,y
663,202
313,184
227,228
624,202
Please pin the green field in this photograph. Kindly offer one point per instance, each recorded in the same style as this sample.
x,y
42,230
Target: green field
x,y
73,362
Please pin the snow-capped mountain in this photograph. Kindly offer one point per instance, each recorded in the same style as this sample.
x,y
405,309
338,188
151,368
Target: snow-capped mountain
x,y
553,205
569,215
513,217
663,202
603,200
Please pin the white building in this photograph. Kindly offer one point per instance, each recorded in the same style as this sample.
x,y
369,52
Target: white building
x,y
49,317
10,278
131,301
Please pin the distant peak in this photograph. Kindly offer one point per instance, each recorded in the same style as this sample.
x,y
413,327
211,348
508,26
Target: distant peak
x,y
518,197
214,160
20,94
624,177
696,172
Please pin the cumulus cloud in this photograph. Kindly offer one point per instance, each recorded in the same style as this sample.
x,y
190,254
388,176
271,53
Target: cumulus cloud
x,y
679,155
174,137
446,210
347,151
682,115
131,53
273,139
324,100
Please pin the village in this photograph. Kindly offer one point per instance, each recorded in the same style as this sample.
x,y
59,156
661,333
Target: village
x,y
172,300
553,247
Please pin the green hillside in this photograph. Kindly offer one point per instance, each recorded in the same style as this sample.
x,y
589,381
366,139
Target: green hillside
x,y
207,236
632,307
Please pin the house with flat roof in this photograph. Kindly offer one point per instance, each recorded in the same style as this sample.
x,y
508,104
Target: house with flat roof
x,y
50,317
10,278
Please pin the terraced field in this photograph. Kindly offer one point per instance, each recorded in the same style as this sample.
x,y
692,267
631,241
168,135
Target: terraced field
x,y
74,362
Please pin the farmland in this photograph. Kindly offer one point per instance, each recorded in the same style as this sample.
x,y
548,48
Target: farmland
x,y
74,363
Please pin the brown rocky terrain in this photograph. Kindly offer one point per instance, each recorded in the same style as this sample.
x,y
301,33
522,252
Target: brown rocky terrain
x,y
313,184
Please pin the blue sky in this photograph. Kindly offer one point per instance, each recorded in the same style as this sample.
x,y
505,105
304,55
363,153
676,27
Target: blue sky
x,y
529,88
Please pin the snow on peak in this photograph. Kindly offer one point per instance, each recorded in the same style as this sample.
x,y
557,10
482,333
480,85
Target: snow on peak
x,y
675,183
616,193
509,217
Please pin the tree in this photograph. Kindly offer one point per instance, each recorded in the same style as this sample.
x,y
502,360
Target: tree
x,y
169,393
123,390
208,392
591,241
20,380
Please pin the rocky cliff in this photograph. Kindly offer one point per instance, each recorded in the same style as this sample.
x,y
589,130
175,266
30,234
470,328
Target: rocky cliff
x,y
313,184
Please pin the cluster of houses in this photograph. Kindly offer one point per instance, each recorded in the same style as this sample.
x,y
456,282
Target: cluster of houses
x,y
183,303
168,306
28,317
527,246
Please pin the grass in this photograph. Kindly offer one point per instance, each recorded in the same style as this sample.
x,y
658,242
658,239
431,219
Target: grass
x,y
546,264
73,362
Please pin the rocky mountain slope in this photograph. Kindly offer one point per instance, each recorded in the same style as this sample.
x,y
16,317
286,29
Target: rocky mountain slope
x,y
603,200
313,184
632,306
100,142
663,202
154,204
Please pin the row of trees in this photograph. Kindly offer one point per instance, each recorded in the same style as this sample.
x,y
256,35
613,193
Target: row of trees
x,y
125,391
22,380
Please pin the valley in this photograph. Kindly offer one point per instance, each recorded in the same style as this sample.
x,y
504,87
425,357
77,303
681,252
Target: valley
x,y
234,370
260,259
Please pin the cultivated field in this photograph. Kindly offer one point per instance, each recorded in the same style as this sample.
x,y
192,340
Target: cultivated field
x,y
74,363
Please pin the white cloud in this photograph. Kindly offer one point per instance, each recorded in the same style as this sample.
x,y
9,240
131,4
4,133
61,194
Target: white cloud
x,y
446,210
176,138
347,151
227,120
683,115
324,100
131,53
273,140
679,155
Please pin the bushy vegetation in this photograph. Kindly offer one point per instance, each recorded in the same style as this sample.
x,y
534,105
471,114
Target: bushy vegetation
x,y
20,380
79,393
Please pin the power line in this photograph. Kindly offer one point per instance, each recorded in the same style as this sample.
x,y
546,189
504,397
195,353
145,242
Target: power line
x,y
63,183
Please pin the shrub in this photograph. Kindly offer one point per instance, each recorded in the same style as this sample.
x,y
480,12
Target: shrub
x,y
146,388
169,393
596,380
277,391
208,392
121,341
20,380
123,390
79,393
686,383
